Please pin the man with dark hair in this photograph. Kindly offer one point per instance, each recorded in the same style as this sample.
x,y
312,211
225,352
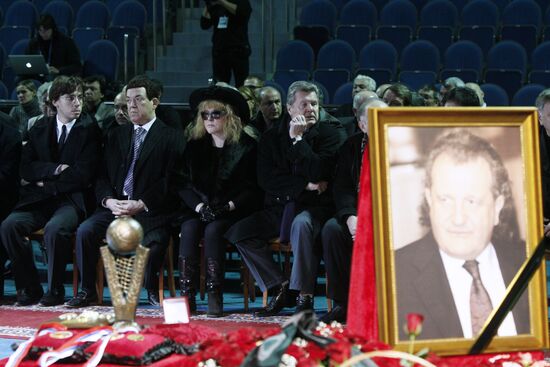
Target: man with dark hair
x,y
94,93
230,46
59,163
296,160
271,109
59,51
460,97
460,269
253,82
137,178
397,95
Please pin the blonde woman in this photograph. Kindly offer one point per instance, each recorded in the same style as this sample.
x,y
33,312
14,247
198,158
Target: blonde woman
x,y
220,172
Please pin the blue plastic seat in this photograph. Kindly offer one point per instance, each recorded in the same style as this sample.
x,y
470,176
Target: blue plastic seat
x,y
130,13
93,14
506,66
336,54
359,12
295,54
522,22
378,59
20,47
540,64
479,21
9,36
83,37
463,59
527,95
356,35
319,12
343,94
118,35
62,12
102,59
441,36
420,55
398,21
286,77
21,13
494,95
416,79
314,35
439,13
323,98
332,79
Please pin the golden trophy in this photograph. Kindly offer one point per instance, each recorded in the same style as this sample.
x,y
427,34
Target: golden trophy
x,y
124,258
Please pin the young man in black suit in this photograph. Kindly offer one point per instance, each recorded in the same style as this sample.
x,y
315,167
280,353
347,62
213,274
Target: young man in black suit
x,y
59,163
137,179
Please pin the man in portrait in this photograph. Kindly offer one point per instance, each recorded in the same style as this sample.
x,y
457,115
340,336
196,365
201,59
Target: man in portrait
x,y
459,271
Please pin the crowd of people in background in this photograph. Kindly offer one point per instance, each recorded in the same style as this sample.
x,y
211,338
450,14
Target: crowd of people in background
x,y
248,168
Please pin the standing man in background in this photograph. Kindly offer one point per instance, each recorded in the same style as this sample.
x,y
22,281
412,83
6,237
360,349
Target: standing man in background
x,y
230,46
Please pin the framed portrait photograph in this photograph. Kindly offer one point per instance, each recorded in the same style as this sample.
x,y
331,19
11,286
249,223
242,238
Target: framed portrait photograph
x,y
457,211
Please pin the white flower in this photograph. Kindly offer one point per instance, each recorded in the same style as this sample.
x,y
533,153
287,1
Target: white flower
x,y
288,361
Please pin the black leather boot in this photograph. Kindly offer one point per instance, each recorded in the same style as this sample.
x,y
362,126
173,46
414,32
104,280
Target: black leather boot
x,y
213,287
188,270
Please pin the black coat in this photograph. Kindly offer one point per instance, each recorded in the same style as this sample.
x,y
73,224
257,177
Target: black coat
x,y
346,180
10,156
545,170
285,169
40,158
215,177
155,173
63,53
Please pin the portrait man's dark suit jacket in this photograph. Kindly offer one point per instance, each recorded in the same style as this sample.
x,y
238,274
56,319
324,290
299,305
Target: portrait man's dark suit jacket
x,y
40,158
155,173
545,169
422,287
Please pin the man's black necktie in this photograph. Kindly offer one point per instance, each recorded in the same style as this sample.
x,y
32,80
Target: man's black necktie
x,y
480,303
62,138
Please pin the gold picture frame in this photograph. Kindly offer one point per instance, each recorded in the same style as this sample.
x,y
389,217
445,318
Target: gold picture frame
x,y
399,143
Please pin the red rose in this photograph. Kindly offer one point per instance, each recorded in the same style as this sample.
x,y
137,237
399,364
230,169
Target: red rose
x,y
414,324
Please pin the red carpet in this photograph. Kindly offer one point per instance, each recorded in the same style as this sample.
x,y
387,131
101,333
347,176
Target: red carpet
x,y
21,322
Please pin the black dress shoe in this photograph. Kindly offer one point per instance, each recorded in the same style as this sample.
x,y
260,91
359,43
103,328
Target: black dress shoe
x,y
29,296
153,297
338,313
82,299
276,304
304,302
52,298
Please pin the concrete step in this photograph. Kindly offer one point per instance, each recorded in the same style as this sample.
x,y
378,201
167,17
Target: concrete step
x,y
177,94
190,52
204,37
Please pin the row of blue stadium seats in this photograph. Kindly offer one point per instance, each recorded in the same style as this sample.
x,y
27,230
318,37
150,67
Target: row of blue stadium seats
x,y
92,13
420,4
438,26
434,13
420,63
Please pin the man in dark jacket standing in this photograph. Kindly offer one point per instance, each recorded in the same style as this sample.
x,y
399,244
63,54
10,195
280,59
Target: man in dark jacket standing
x,y
136,180
295,163
59,163
230,46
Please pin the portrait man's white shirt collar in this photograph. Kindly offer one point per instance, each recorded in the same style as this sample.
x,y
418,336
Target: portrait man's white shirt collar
x,y
460,282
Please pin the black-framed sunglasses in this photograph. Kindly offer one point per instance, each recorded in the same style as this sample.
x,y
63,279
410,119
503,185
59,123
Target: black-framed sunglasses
x,y
215,115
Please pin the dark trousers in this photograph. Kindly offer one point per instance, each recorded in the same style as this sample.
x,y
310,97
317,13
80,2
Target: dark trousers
x,y
193,230
337,250
59,220
89,238
227,61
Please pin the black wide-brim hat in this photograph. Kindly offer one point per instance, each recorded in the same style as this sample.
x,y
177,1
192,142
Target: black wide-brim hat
x,y
223,95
